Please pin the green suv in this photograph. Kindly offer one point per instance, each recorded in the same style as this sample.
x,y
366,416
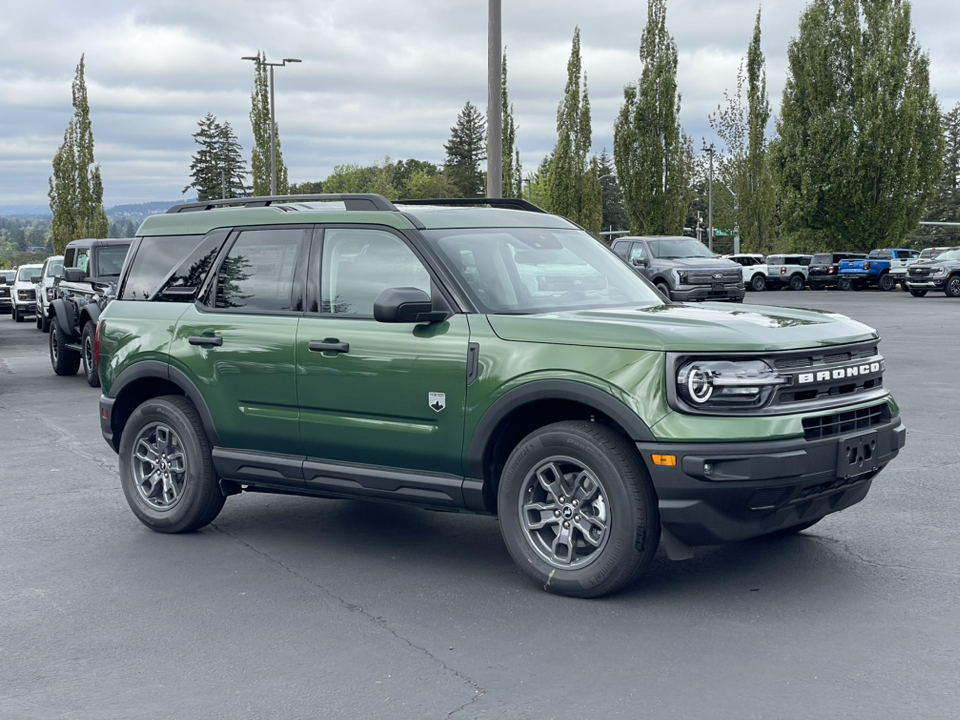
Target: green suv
x,y
478,356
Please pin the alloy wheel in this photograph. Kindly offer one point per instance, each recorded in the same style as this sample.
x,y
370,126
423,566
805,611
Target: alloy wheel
x,y
159,466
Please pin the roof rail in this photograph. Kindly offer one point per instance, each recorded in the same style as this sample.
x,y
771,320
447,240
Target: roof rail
x,y
352,201
514,203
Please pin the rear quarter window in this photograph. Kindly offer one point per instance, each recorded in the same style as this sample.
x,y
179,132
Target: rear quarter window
x,y
156,259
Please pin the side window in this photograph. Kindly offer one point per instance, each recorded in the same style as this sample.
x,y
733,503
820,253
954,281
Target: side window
x,y
359,264
638,252
156,257
257,274
70,257
83,261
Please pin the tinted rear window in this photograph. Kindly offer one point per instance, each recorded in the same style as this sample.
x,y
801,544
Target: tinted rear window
x,y
822,259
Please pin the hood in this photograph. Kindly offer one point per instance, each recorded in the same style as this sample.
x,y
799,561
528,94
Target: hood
x,y
705,327
697,262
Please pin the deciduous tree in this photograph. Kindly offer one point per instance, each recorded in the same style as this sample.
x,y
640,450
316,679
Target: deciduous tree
x,y
260,121
76,186
512,172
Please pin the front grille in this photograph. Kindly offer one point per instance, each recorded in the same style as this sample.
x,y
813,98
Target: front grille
x,y
706,277
916,272
792,363
842,423
4,292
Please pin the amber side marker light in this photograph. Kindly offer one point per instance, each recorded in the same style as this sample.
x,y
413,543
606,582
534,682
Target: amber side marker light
x,y
665,460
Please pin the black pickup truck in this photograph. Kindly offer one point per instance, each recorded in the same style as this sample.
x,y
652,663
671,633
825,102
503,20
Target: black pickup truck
x,y
91,267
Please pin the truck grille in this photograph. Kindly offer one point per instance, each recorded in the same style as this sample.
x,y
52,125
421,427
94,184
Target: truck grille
x,y
706,276
841,423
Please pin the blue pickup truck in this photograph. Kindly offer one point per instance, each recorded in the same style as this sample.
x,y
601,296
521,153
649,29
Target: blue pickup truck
x,y
881,268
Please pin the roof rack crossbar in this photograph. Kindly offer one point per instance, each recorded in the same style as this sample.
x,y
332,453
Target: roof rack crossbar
x,y
513,203
352,201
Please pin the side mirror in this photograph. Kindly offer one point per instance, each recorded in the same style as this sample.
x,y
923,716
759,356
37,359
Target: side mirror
x,y
406,305
74,275
35,279
640,262
8,282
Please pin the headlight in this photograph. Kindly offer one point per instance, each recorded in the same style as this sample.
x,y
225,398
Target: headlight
x,y
938,271
727,383
680,276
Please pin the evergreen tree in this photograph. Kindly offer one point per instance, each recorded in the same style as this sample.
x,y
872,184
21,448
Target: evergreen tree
x,y
76,186
260,121
945,205
614,215
218,169
654,157
569,171
466,149
860,147
512,173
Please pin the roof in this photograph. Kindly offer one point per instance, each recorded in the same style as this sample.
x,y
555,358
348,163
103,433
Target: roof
x,y
90,242
353,209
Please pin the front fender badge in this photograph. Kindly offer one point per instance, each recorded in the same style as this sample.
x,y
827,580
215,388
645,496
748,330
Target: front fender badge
x,y
438,401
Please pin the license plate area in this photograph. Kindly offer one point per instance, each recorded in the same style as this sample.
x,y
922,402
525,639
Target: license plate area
x,y
857,455
717,287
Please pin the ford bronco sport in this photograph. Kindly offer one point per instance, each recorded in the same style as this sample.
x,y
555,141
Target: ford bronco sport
x,y
491,359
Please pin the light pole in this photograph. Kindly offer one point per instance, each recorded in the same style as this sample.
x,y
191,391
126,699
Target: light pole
x,y
709,149
273,117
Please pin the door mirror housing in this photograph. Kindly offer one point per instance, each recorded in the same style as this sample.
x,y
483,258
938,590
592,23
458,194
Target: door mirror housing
x,y
407,305
640,262
35,279
74,275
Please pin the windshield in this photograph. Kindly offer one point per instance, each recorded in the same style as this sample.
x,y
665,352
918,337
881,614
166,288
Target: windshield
x,y
949,255
667,248
531,270
110,260
26,273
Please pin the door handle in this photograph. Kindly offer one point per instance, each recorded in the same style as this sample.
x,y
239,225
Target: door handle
x,y
205,340
329,346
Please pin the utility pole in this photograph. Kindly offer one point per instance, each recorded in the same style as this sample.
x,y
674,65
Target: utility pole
x,y
273,116
709,149
494,103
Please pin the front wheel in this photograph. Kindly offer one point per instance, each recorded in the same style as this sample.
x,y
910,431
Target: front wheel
x,y
887,282
578,512
17,315
166,469
88,345
952,288
796,282
45,323
917,293
758,282
664,288
793,530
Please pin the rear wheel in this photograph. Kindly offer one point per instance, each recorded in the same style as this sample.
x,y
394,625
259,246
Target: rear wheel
x,y
887,282
166,470
578,512
88,343
843,284
796,282
952,288
64,360
758,282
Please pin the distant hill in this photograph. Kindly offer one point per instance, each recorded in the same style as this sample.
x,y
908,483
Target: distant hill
x,y
135,212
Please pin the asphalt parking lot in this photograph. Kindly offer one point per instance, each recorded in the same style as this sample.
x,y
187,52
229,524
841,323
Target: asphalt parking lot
x,y
302,608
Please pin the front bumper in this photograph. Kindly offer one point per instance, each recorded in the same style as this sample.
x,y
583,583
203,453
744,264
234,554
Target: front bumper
x,y
722,492
927,284
27,307
685,293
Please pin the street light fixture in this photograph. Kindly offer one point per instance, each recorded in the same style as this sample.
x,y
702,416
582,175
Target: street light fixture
x,y
273,119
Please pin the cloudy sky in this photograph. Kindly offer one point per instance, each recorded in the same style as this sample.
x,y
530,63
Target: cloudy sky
x,y
378,78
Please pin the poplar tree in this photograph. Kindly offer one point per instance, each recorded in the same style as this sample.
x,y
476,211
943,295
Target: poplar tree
x,y
945,204
860,147
76,186
654,157
512,173
573,183
260,122
466,149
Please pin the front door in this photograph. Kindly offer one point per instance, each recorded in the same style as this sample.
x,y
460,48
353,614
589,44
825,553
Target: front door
x,y
373,393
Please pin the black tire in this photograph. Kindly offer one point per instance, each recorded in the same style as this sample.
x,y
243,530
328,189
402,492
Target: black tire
x,y
64,360
903,286
17,315
613,535
90,364
793,529
164,436
844,284
918,293
952,288
758,283
664,288
797,282
45,323
887,282
38,319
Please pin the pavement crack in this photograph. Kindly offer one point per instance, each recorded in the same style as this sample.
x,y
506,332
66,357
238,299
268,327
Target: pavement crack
x,y
875,563
353,607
